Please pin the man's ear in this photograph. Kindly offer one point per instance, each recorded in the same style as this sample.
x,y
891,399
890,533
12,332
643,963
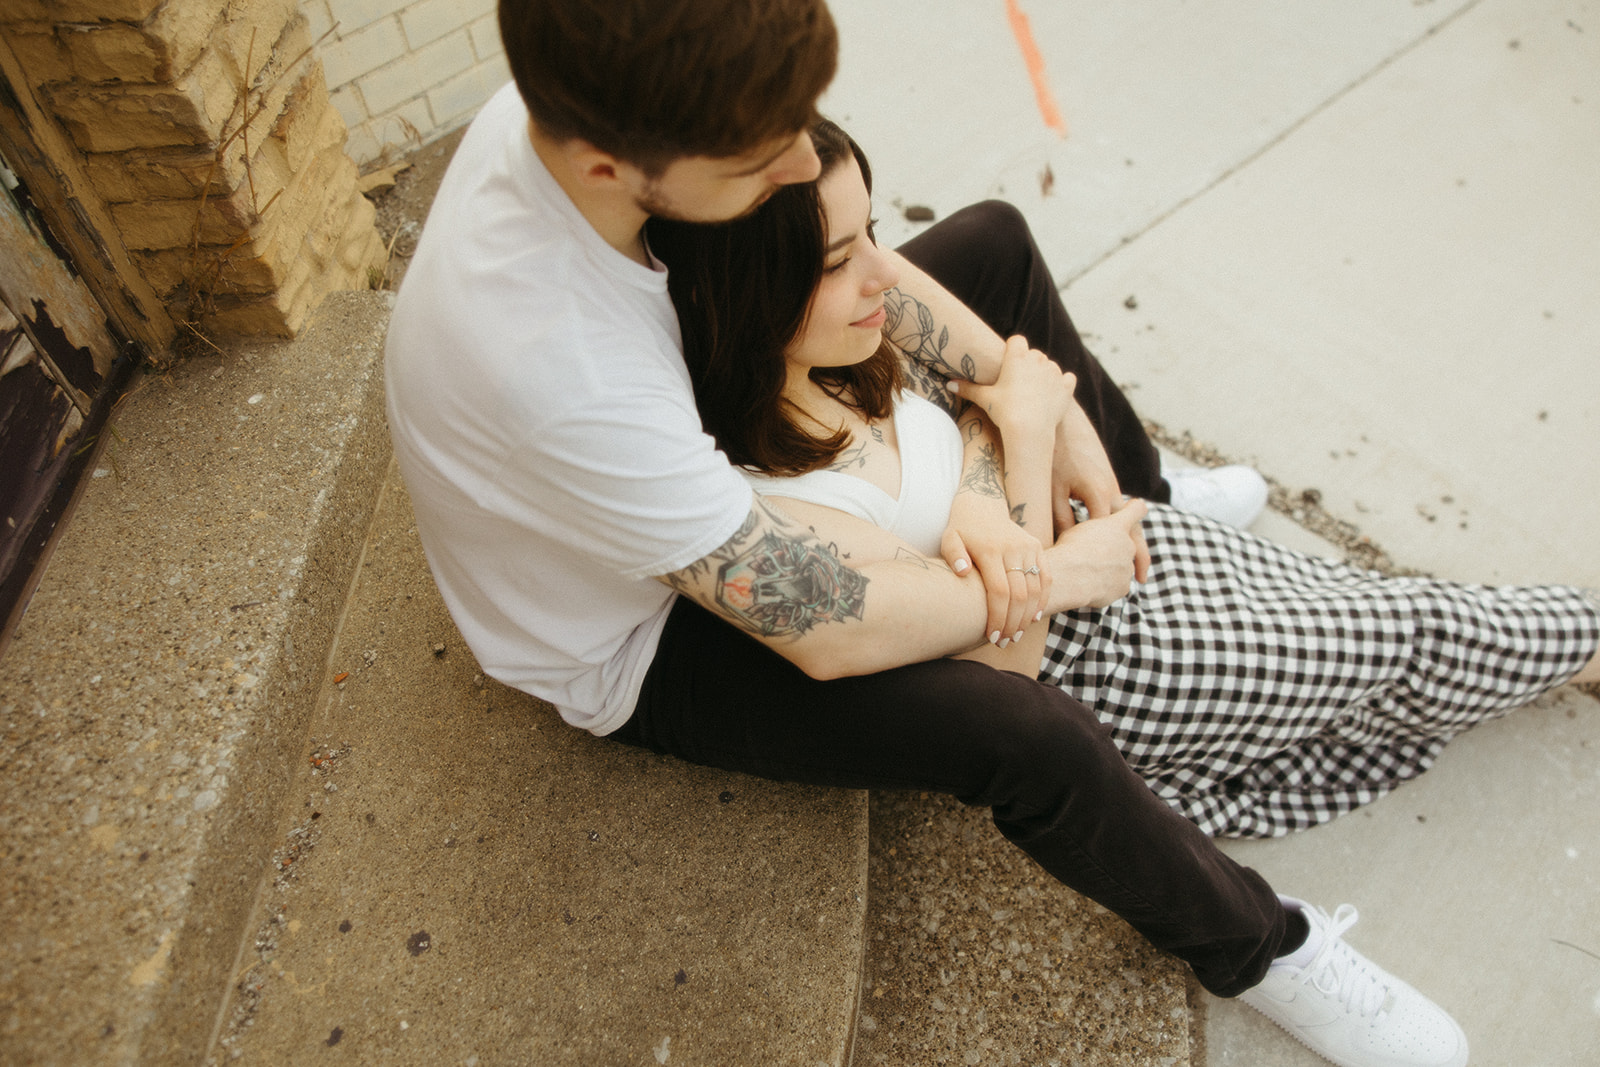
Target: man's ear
x,y
581,161
601,170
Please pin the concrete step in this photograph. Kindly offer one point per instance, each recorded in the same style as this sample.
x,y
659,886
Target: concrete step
x,y
158,689
975,956
463,879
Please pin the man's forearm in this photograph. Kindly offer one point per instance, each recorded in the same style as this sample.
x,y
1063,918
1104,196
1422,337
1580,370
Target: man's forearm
x,y
833,594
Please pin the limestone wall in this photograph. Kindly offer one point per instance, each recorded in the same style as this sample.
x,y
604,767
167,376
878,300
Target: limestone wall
x,y
403,72
206,129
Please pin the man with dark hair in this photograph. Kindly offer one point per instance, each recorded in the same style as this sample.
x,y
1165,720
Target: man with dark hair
x,y
596,550
653,82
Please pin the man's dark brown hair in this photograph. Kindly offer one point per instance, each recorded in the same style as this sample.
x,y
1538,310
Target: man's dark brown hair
x,y
650,81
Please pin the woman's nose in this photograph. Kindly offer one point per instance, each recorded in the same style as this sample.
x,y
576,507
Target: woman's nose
x,y
884,275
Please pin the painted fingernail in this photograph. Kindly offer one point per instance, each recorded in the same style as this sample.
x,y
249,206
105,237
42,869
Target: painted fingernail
x,y
1038,615
961,566
994,638
1018,637
1005,643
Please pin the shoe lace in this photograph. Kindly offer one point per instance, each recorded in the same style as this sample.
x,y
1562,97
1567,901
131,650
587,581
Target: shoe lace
x,y
1342,973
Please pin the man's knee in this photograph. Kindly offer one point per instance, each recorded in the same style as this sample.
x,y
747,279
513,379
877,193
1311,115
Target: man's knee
x,y
996,232
1000,218
1031,740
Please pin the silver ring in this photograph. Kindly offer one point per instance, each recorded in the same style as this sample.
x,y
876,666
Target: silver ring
x,y
1031,570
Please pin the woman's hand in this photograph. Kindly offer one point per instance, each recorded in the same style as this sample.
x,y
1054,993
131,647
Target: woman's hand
x,y
982,536
1030,397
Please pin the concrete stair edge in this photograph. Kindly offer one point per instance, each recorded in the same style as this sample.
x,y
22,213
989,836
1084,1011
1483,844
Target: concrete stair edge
x,y
158,700
175,645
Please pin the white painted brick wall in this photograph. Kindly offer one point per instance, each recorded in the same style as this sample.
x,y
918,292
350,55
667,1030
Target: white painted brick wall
x,y
403,72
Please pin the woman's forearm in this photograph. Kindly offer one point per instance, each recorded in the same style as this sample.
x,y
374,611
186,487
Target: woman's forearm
x,y
946,340
938,331
982,473
1026,478
1027,484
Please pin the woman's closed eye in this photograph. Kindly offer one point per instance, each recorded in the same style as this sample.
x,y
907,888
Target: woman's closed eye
x,y
872,238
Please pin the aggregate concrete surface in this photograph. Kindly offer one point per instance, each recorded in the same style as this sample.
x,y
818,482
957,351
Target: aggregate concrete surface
x,y
464,879
161,678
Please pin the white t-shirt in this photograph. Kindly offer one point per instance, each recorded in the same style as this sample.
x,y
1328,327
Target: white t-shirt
x,y
546,429
930,473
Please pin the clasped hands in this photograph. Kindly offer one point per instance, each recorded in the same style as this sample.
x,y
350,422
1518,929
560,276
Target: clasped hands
x,y
1090,563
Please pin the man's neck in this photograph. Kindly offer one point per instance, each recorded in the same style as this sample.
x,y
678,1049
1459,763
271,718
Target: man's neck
x,y
615,216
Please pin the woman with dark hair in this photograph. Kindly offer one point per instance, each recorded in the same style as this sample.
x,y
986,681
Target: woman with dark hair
x,y
1257,690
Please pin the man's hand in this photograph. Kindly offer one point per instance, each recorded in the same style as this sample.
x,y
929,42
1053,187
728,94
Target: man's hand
x,y
1081,471
1098,559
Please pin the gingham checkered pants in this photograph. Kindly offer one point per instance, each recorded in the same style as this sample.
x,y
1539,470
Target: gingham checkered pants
x,y
1258,690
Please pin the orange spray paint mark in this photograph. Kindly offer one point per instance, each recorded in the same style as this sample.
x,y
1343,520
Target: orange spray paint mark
x,y
1035,64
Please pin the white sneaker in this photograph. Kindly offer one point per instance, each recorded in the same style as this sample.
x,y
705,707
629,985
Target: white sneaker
x,y
1343,1006
1234,495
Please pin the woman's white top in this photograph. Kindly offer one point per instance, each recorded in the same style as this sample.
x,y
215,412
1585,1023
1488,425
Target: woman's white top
x,y
930,471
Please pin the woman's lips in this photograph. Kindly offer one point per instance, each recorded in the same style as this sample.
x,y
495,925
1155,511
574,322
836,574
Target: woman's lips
x,y
873,321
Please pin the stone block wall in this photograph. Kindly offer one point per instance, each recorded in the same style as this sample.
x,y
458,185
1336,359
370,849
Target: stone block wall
x,y
207,130
404,72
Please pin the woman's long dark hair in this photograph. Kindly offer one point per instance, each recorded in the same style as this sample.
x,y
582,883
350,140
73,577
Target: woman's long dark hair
x,y
741,290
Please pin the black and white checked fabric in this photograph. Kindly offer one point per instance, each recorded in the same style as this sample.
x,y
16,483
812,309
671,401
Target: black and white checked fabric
x,y
1261,691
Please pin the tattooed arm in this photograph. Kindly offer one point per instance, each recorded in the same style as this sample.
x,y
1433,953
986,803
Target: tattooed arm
x,y
986,528
1026,403
942,335
1028,400
835,597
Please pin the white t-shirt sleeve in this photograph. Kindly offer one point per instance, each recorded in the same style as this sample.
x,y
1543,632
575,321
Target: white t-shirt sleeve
x,y
636,484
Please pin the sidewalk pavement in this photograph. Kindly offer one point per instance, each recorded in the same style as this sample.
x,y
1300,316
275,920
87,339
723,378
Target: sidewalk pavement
x,y
1357,245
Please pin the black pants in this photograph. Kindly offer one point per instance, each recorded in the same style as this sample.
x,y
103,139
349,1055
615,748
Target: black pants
x,y
1040,760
